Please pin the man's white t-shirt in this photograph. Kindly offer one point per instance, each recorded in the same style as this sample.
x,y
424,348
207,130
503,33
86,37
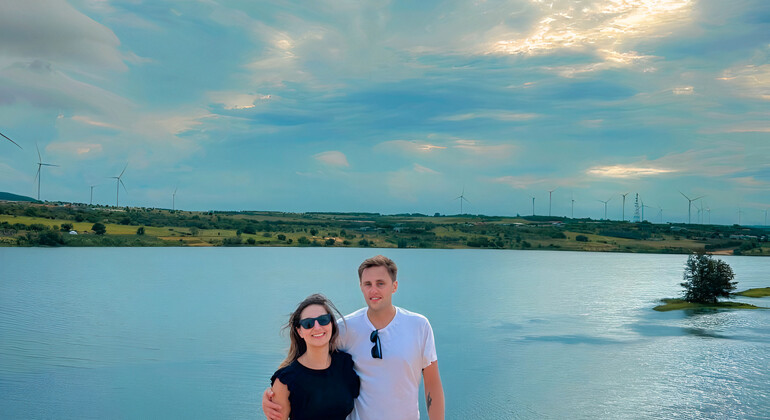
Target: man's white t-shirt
x,y
389,386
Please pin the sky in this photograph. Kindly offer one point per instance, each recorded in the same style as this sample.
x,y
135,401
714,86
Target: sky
x,y
392,106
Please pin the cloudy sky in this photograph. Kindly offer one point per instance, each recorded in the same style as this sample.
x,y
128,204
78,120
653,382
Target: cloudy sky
x,y
392,106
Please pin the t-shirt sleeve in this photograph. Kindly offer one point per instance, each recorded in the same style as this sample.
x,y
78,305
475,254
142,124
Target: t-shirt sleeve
x,y
429,350
286,375
352,381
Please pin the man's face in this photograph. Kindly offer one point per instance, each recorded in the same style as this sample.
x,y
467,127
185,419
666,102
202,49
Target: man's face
x,y
378,288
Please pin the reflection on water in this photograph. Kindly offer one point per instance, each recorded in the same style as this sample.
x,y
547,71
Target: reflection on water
x,y
195,332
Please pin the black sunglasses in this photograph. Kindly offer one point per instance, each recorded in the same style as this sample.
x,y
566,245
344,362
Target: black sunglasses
x,y
308,323
377,349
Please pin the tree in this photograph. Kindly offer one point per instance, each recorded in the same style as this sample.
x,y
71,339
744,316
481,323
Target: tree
x,y
140,231
99,228
706,279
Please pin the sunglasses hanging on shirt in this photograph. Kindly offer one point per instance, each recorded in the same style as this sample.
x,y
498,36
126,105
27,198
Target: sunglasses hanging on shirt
x,y
377,349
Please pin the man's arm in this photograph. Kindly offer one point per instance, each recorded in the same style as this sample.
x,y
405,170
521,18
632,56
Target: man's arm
x,y
434,392
272,410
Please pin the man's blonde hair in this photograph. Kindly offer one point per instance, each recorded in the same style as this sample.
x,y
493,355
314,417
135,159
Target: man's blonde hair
x,y
379,261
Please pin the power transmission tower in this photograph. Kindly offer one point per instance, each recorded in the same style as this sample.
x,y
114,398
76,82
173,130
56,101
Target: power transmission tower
x,y
636,209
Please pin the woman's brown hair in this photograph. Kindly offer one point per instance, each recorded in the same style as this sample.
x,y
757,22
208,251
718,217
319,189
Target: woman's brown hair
x,y
297,346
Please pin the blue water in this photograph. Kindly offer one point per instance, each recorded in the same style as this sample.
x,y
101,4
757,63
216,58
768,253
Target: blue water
x,y
194,333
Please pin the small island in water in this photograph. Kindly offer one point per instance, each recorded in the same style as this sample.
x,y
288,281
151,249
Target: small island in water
x,y
672,304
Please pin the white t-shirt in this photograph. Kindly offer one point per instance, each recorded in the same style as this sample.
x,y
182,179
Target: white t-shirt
x,y
389,386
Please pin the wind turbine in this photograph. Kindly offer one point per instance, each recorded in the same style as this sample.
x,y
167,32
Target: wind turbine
x,y
7,138
765,217
661,214
40,164
605,206
461,197
572,212
533,204
708,212
118,183
173,199
689,205
643,206
623,213
549,200
92,195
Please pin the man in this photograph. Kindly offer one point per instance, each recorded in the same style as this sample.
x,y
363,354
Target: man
x,y
391,349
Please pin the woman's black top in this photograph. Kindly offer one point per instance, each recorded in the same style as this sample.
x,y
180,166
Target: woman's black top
x,y
321,394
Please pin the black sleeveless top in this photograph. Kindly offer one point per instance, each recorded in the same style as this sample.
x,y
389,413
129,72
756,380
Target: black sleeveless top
x,y
321,394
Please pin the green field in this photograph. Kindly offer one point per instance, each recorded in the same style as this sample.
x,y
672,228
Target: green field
x,y
31,224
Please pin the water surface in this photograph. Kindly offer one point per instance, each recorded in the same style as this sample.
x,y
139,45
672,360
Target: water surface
x,y
194,333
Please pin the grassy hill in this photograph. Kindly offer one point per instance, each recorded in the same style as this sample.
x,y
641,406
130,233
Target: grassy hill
x,y
33,224
6,196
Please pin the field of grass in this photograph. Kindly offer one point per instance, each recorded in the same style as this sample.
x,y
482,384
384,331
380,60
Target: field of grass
x,y
186,228
678,304
755,293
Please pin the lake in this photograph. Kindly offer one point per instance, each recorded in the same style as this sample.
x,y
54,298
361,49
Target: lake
x,y
195,333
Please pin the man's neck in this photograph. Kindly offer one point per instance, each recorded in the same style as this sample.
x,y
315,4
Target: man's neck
x,y
381,319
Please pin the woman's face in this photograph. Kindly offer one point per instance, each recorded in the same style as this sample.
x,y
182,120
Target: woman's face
x,y
317,335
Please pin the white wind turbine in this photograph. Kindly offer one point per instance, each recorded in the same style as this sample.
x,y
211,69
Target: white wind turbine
x,y
9,139
689,205
533,204
461,197
119,182
173,199
40,164
549,200
605,206
623,212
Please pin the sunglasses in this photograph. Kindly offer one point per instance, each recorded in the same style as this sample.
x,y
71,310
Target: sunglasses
x,y
377,349
308,323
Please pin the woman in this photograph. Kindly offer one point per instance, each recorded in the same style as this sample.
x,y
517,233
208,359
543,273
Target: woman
x,y
315,381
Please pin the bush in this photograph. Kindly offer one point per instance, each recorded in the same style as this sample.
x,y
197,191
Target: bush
x,y
140,231
581,238
99,228
706,279
251,241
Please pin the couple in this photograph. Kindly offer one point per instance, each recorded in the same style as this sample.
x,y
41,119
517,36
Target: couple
x,y
390,349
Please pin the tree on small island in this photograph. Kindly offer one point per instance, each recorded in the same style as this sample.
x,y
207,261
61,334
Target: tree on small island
x,y
706,279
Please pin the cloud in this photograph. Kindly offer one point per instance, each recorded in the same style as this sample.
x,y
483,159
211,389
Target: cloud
x,y
76,149
408,146
60,34
685,90
423,170
520,182
627,171
476,147
751,81
494,115
236,100
43,84
88,121
332,158
601,27
750,182
567,24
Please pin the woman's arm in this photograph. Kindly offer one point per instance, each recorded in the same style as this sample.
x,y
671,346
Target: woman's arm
x,y
281,397
434,392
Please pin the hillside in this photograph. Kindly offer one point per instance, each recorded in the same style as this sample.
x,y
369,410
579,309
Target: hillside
x,y
66,224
